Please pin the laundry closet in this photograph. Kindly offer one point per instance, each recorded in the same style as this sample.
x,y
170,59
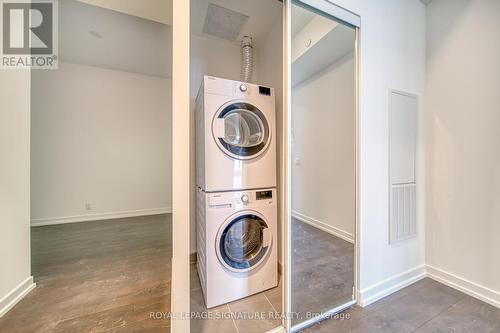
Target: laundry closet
x,y
235,91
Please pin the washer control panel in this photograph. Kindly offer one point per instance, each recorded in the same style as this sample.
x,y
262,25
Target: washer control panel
x,y
264,195
247,199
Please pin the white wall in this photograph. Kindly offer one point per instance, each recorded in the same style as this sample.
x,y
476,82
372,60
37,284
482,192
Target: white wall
x,y
101,137
15,261
324,150
392,47
214,57
463,140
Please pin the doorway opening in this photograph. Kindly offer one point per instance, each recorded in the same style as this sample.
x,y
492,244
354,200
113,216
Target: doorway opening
x,y
101,173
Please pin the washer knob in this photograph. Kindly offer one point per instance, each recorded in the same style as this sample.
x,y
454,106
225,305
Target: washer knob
x,y
245,199
243,87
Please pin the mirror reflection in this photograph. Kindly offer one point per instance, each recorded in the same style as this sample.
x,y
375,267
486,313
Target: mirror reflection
x,y
323,167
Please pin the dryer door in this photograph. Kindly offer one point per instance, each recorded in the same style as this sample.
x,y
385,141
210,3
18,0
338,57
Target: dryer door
x,y
241,130
243,242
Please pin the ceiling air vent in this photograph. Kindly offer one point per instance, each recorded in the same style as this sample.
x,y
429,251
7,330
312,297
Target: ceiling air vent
x,y
223,23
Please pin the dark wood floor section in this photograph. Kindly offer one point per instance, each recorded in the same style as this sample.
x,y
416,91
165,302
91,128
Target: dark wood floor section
x,y
424,307
103,276
322,270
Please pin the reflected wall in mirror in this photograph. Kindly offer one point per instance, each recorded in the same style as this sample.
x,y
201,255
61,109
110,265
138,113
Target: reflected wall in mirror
x,y
323,145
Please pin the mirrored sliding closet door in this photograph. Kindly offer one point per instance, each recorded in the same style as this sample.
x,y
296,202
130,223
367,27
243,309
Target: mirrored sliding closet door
x,y
323,163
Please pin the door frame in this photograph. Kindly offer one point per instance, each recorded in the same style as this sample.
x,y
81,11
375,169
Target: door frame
x,y
181,166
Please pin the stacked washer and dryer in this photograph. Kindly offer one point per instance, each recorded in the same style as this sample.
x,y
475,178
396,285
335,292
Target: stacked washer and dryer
x,y
236,206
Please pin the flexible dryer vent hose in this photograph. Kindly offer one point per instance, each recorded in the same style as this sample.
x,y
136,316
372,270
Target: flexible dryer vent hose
x,y
246,59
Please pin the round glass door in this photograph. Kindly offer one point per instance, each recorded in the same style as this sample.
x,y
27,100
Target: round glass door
x,y
241,130
243,242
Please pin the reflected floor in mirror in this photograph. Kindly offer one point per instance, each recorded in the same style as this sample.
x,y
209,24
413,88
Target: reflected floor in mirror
x,y
322,270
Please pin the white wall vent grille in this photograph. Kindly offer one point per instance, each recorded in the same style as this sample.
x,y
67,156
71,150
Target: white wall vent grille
x,y
403,212
403,124
223,23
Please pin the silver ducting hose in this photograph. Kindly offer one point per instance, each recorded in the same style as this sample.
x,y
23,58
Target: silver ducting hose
x,y
246,59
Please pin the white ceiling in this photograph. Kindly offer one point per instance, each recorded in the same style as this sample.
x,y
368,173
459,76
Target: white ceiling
x,y
100,37
323,51
154,10
330,49
263,15
300,18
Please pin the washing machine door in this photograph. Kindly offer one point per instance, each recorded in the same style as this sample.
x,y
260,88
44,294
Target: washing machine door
x,y
241,130
243,242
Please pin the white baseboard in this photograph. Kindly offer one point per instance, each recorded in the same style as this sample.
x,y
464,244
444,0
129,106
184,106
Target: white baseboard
x,y
12,298
99,216
388,286
324,226
468,287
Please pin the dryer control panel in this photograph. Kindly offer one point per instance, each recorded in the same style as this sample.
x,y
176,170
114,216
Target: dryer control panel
x,y
237,89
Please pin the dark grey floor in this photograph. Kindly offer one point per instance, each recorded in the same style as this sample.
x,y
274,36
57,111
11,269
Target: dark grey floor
x,y
268,303
107,276
103,276
426,306
322,271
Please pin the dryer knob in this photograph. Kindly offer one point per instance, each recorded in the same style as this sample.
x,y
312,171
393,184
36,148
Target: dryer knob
x,y
243,87
245,198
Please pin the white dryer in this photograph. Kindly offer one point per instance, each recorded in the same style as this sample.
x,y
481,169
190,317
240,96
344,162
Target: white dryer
x,y
237,246
235,136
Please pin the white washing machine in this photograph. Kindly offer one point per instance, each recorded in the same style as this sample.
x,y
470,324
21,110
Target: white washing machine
x,y
235,136
237,244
